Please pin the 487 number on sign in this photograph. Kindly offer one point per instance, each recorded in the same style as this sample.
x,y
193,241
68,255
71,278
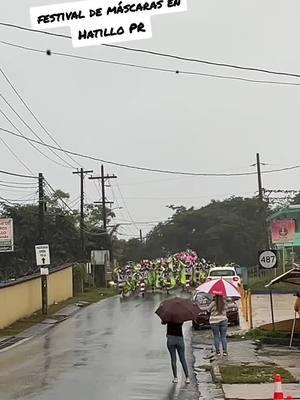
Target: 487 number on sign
x,y
267,259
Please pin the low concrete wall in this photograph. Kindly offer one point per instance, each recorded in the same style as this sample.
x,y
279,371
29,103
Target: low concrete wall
x,y
60,286
23,297
19,301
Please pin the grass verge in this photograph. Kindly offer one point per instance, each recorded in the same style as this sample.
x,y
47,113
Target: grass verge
x,y
89,296
259,284
254,374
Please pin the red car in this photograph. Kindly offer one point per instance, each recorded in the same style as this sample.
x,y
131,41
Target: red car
x,y
203,300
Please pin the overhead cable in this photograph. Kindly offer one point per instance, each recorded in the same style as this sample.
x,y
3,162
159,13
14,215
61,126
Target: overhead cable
x,y
166,55
146,169
29,140
150,68
19,175
16,156
32,131
32,113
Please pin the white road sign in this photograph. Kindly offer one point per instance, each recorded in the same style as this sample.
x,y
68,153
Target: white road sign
x,y
267,259
42,253
44,271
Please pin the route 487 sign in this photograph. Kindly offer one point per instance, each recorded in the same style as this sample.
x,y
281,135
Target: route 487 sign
x,y
267,259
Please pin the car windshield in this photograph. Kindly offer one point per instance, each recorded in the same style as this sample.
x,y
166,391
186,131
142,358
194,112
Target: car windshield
x,y
200,299
222,272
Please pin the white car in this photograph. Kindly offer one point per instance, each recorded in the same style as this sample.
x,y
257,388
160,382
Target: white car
x,y
228,273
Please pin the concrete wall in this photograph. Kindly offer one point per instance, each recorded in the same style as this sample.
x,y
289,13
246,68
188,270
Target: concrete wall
x,y
60,286
23,297
19,301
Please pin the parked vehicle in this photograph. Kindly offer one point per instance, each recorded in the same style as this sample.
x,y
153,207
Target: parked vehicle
x,y
228,273
203,300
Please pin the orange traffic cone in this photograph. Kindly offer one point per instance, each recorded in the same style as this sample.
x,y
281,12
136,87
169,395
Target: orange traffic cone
x,y
278,391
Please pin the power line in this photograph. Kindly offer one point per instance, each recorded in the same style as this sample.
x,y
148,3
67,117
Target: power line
x,y
163,171
157,69
29,140
13,183
15,155
31,130
25,123
126,207
165,55
140,222
32,113
19,175
118,204
15,201
72,212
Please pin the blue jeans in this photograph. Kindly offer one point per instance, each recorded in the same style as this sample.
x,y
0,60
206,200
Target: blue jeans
x,y
219,331
177,343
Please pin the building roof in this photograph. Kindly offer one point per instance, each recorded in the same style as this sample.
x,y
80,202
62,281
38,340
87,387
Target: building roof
x,y
288,212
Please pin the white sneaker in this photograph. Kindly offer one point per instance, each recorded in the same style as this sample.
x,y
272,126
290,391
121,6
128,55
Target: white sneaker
x,y
187,380
175,380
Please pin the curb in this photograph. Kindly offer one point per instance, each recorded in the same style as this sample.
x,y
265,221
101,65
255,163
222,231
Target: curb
x,y
47,325
16,344
216,374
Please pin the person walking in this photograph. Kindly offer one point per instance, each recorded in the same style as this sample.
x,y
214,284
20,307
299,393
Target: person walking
x,y
219,322
175,343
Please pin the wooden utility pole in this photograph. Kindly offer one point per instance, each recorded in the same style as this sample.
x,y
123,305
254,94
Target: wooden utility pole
x,y
82,172
260,188
41,208
262,210
103,178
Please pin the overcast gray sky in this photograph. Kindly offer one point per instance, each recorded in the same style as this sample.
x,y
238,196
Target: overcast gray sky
x,y
161,120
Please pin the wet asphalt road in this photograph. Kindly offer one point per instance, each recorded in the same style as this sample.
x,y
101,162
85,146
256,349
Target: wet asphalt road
x,y
114,350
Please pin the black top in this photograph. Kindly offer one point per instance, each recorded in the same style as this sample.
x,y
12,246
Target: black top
x,y
174,329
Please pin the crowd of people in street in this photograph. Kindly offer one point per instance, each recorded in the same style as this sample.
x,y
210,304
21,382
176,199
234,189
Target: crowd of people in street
x,y
184,269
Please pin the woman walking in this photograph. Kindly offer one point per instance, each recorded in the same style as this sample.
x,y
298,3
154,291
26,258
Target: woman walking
x,y
175,342
219,322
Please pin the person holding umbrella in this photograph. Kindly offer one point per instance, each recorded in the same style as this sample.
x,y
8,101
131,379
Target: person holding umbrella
x,y
173,313
220,289
219,322
175,342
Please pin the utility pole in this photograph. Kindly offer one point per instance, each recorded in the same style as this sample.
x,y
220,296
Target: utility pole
x,y
82,172
103,178
41,208
262,210
260,188
141,236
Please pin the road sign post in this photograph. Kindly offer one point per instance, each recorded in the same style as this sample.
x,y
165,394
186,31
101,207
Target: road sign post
x,y
44,281
42,259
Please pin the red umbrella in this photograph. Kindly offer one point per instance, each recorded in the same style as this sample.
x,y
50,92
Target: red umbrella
x,y
221,287
177,310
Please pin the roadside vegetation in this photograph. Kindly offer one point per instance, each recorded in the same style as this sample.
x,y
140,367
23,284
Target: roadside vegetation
x,y
254,374
260,283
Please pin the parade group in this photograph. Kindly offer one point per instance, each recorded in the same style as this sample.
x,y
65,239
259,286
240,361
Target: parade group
x,y
184,269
